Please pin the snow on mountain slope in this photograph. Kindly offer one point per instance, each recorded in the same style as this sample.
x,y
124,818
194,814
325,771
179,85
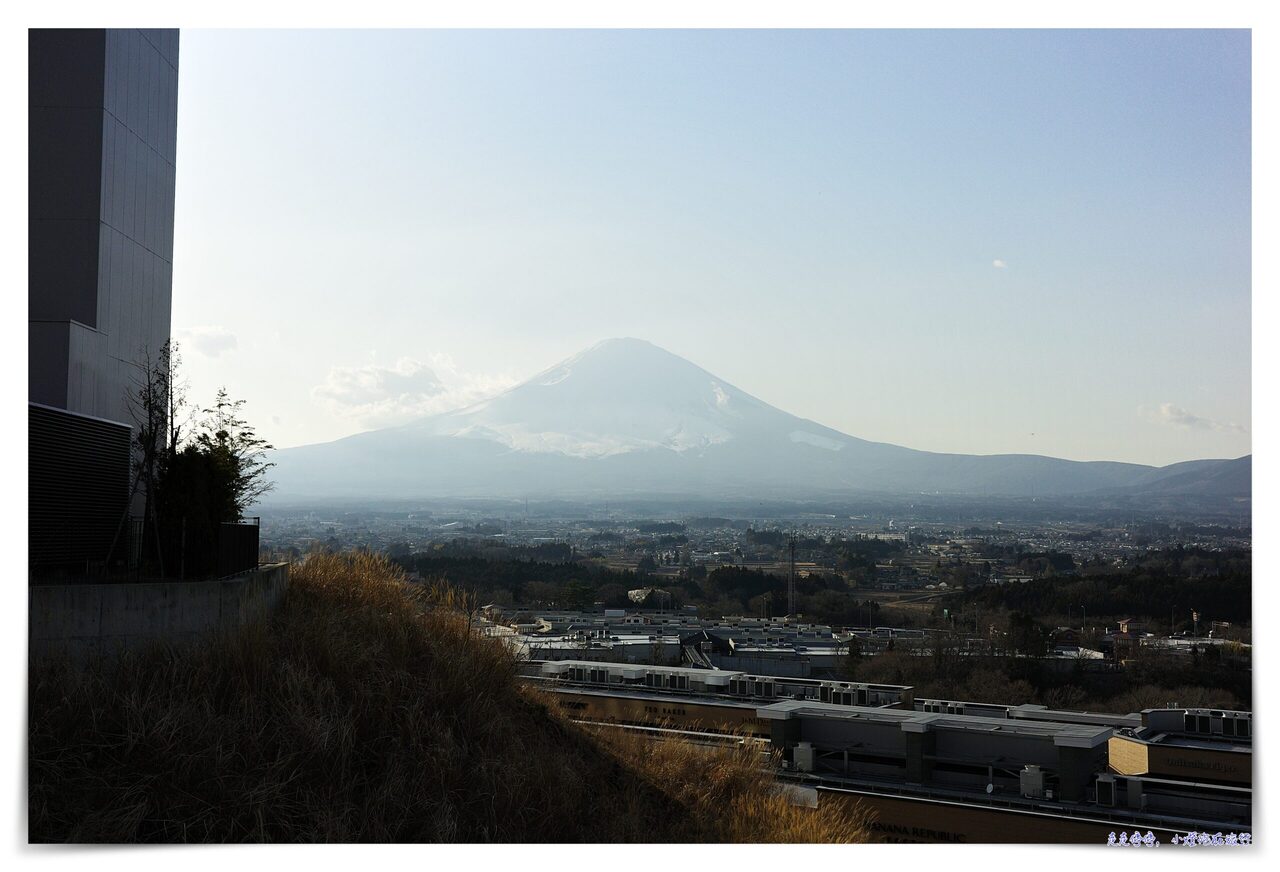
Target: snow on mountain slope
x,y
620,396
627,417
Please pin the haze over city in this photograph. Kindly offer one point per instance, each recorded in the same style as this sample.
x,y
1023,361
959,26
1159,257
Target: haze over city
x,y
972,241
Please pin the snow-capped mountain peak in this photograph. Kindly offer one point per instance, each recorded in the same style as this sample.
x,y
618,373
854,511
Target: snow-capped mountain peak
x,y
627,417
617,397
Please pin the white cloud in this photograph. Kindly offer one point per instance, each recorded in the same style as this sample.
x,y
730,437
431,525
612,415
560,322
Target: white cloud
x,y
998,263
208,340
382,396
1176,416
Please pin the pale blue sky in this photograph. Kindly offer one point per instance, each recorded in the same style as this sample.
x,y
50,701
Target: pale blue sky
x,y
816,217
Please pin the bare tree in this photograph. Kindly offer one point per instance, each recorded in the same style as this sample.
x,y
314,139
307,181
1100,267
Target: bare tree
x,y
155,405
178,413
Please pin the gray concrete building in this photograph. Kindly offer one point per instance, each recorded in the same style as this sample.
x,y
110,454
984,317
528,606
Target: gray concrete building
x,y
102,140
102,137
933,770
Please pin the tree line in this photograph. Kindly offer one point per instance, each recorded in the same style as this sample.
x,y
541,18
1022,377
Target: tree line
x,y
530,576
1216,583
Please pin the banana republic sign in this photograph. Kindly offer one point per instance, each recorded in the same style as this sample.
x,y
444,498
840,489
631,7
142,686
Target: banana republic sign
x,y
903,833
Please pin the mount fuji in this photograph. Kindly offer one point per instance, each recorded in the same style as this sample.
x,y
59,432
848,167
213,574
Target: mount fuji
x,y
626,418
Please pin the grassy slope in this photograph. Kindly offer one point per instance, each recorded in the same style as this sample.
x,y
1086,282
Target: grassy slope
x,y
367,712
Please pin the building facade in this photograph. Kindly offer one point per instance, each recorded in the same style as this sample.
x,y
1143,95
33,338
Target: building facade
x,y
102,136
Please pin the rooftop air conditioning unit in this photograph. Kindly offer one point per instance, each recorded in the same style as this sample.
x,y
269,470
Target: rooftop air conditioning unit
x,y
1106,791
1031,781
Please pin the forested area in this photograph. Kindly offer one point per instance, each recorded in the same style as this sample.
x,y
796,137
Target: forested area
x,y
549,576
1173,582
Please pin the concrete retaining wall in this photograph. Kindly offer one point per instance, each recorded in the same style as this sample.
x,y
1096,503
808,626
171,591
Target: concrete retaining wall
x,y
86,619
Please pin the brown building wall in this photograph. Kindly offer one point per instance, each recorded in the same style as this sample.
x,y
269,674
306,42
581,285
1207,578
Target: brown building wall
x,y
923,821
1131,757
1199,764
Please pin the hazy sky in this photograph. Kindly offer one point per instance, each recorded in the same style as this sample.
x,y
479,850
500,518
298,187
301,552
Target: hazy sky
x,y
972,241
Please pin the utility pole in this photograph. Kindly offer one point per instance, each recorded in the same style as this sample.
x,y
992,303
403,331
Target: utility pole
x,y
791,576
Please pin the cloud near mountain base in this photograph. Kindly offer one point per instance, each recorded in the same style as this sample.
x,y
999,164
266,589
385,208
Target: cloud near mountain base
x,y
374,395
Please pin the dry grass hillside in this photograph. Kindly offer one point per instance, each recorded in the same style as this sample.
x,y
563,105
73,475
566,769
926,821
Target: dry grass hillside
x,y
366,711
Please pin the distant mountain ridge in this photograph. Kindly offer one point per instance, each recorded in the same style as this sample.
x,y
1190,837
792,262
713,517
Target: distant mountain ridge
x,y
626,418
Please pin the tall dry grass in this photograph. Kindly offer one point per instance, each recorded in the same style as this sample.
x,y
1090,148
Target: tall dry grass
x,y
728,788
367,710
